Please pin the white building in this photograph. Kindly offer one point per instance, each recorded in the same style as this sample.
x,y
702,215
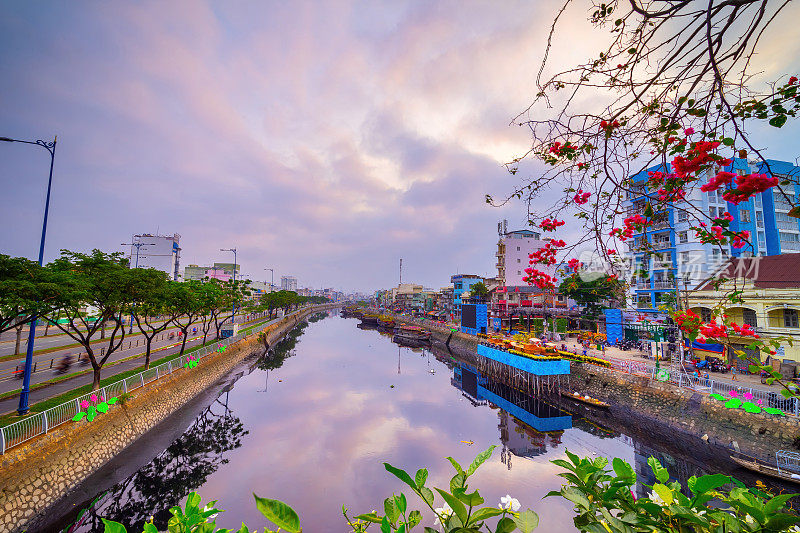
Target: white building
x,y
513,250
288,283
161,252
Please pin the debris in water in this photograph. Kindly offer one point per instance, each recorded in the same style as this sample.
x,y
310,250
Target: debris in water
x,y
391,386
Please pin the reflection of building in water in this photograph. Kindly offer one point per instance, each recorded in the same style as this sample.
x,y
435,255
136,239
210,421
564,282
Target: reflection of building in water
x,y
679,470
527,424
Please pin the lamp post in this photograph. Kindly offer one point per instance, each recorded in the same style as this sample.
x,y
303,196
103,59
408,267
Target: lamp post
x,y
26,381
137,245
233,311
271,278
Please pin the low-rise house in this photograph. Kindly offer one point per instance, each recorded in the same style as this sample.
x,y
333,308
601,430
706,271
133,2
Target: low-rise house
x,y
770,299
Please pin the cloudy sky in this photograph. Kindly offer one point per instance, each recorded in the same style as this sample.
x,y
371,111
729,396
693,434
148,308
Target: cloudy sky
x,y
326,141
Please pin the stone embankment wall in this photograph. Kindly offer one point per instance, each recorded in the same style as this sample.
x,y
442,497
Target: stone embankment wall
x,y
37,474
686,411
641,402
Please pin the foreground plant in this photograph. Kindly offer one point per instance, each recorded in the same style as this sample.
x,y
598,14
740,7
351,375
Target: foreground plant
x,y
194,519
93,406
461,510
605,502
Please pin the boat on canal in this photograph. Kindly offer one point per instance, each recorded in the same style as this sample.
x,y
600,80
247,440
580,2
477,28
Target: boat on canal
x,y
584,398
386,322
370,319
409,335
786,467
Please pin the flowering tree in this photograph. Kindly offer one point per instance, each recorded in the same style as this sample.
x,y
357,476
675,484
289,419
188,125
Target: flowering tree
x,y
672,98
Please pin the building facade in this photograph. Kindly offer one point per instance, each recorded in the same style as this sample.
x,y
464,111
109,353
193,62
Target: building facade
x,y
462,283
289,283
513,249
770,300
670,257
221,271
162,252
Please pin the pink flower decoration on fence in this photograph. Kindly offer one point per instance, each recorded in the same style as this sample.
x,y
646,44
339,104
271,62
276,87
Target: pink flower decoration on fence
x,y
733,394
748,396
93,397
84,404
760,402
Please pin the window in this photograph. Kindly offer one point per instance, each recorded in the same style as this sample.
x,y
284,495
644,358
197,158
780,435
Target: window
x,y
790,319
715,255
519,260
760,219
744,215
518,248
519,273
712,212
683,216
706,315
712,196
683,236
749,317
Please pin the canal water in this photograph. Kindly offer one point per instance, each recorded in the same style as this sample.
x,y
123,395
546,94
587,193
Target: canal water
x,y
312,424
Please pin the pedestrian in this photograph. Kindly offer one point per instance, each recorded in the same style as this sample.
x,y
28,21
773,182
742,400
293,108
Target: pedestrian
x,y
708,381
733,373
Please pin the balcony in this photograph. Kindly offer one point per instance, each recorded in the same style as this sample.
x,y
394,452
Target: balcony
x,y
661,245
664,284
661,224
644,304
642,284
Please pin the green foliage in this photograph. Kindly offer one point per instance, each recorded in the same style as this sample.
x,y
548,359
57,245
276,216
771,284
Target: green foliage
x,y
604,501
594,295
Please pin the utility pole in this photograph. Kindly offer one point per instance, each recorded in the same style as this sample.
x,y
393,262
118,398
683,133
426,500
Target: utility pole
x,y
401,271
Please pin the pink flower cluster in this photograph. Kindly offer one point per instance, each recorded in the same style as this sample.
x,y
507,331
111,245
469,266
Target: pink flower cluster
x,y
581,197
631,224
546,255
540,279
551,225
747,186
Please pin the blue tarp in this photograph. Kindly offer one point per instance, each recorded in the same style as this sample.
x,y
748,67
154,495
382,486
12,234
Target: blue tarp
x,y
716,348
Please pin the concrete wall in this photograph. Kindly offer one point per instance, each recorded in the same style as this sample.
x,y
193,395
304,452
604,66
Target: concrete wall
x,y
40,472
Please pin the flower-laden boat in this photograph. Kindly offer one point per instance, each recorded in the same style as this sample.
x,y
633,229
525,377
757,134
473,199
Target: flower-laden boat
x,y
411,335
585,398
369,319
386,321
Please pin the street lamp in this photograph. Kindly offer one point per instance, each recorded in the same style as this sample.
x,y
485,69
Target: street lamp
x,y
26,381
271,279
233,312
137,245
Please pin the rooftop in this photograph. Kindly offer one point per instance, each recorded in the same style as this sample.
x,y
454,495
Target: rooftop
x,y
771,272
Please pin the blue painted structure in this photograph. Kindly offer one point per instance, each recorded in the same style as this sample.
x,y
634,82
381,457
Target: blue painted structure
x,y
614,325
481,321
461,284
556,423
532,366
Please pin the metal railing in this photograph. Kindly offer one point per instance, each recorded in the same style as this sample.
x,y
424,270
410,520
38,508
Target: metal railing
x,y
40,423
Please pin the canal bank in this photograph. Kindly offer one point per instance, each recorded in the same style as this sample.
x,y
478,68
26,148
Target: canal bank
x,y
41,472
643,401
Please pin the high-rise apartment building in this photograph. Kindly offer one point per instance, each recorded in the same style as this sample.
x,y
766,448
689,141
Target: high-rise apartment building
x,y
161,252
513,249
670,256
288,283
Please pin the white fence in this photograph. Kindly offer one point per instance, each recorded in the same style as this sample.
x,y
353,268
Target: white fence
x,y
40,423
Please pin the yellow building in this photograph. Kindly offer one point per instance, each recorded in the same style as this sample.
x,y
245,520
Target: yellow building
x,y
770,299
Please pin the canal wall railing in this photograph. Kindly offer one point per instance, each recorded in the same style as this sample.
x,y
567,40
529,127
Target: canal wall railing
x,y
40,423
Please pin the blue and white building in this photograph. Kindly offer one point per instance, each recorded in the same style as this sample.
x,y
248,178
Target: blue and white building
x,y
675,258
462,283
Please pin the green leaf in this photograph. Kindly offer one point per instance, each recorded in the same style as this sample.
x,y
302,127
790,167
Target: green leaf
x,y
776,504
102,407
623,469
480,459
385,527
484,513
401,503
701,485
457,481
778,121
420,477
79,416
149,527
733,403
369,517
113,527
473,500
505,525
391,510
787,393
718,397
427,495
455,504
727,141
664,493
774,411
414,518
279,514
113,400
781,522
430,530
455,465
192,503
660,472
576,496
91,412
402,475
526,521
751,407
242,529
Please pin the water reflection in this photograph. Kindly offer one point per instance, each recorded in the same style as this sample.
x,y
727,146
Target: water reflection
x,y
315,419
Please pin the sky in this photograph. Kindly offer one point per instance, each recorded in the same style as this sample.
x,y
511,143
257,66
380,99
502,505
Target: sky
x,y
323,140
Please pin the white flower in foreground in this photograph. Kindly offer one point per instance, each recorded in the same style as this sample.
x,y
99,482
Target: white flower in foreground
x,y
442,513
507,503
655,498
206,509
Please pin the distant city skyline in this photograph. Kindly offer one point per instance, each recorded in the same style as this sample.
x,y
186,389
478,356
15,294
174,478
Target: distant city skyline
x,y
323,140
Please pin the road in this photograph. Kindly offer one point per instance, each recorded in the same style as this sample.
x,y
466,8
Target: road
x,y
45,363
